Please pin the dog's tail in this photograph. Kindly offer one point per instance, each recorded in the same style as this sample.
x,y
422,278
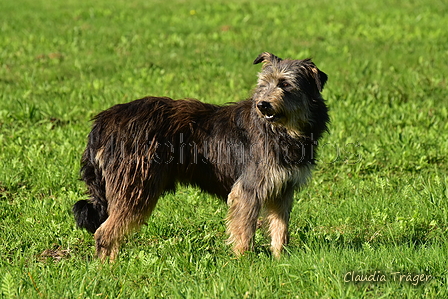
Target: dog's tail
x,y
91,213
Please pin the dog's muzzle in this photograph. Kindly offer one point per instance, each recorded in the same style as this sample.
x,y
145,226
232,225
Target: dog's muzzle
x,y
267,111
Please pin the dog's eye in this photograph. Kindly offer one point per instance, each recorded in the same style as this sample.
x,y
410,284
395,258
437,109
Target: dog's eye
x,y
284,84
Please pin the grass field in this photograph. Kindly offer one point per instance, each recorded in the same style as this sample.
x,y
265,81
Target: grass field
x,y
376,206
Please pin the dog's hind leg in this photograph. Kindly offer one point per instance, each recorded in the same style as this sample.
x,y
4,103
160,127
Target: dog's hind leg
x,y
279,211
108,237
124,216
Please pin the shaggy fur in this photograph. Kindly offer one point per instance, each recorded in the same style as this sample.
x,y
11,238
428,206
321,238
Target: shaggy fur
x,y
252,154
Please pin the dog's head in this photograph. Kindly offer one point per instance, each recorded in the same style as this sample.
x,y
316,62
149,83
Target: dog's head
x,y
288,92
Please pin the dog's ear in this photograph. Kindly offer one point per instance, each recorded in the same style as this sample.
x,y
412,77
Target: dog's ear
x,y
320,78
267,57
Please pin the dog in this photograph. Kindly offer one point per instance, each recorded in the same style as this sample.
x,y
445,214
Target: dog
x,y
252,154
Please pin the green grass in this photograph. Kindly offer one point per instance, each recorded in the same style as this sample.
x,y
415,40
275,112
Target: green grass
x,y
378,199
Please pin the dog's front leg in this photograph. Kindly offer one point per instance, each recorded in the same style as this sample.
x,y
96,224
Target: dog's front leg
x,y
244,208
279,211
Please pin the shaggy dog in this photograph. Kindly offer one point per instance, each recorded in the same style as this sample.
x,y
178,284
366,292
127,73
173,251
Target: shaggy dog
x,y
252,154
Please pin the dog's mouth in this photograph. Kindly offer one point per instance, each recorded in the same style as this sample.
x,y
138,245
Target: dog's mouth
x,y
268,112
272,117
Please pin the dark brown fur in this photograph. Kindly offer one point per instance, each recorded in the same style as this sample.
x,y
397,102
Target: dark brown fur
x,y
252,154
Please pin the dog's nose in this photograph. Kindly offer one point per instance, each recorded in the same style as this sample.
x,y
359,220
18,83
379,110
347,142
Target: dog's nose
x,y
264,106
